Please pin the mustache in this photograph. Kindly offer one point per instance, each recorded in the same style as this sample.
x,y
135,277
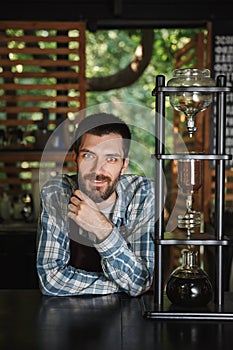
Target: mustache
x,y
100,177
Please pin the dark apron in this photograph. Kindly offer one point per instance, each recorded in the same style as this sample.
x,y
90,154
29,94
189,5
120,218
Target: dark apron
x,y
82,255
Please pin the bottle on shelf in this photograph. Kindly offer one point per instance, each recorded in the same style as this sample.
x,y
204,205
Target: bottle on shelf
x,y
5,207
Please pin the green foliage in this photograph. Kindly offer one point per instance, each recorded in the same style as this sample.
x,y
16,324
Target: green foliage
x,y
109,51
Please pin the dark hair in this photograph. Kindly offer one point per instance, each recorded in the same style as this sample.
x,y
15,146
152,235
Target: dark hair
x,y
102,124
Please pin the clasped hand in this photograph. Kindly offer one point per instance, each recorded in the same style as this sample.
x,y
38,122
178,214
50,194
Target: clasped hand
x,y
87,215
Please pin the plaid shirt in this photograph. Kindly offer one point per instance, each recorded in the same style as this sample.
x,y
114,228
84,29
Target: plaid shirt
x,y
127,254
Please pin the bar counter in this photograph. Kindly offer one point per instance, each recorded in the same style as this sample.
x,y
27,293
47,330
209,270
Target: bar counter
x,y
31,321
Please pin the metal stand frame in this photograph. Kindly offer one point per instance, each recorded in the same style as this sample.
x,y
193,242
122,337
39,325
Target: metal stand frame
x,y
157,305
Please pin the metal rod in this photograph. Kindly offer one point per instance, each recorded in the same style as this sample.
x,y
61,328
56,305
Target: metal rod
x,y
220,186
159,191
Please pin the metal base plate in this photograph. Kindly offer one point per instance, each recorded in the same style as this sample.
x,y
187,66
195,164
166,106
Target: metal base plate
x,y
169,311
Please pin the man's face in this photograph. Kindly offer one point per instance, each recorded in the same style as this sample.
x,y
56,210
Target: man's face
x,y
99,165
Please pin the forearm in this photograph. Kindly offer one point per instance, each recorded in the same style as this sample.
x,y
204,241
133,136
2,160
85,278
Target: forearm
x,y
131,270
57,277
71,282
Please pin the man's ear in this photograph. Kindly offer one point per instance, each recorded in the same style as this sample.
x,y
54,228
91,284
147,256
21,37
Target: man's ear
x,y
74,157
125,165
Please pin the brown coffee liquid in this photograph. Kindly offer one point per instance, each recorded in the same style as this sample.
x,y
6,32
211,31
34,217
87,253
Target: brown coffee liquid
x,y
189,291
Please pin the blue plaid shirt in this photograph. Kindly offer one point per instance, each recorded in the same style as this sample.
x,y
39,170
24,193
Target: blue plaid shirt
x,y
127,254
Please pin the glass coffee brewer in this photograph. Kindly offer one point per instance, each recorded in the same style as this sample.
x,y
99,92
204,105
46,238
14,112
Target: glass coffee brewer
x,y
192,97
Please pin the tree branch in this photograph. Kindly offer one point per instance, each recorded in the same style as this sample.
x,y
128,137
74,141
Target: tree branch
x,y
130,73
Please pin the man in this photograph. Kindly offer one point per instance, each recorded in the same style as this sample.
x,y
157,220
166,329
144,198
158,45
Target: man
x,y
95,234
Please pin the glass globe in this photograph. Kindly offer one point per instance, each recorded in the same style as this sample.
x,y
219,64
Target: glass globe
x,y
189,285
191,102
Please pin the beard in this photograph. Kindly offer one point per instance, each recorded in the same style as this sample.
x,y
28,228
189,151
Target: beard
x,y
96,193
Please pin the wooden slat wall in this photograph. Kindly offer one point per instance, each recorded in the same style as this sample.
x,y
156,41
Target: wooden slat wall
x,y
42,68
64,64
228,187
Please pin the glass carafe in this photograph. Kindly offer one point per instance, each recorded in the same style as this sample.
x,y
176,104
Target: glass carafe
x,y
189,285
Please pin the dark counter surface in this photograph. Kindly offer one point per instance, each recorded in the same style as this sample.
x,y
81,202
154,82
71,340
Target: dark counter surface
x,y
31,321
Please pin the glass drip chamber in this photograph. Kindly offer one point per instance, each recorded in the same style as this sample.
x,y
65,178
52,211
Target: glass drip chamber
x,y
191,102
189,285
189,181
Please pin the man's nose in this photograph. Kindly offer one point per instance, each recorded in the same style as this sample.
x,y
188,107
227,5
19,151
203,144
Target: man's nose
x,y
98,165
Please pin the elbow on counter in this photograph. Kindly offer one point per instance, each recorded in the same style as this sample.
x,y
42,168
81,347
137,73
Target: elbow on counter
x,y
48,286
139,290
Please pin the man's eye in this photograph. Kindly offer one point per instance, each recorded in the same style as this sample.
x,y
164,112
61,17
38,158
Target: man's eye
x,y
112,159
88,156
